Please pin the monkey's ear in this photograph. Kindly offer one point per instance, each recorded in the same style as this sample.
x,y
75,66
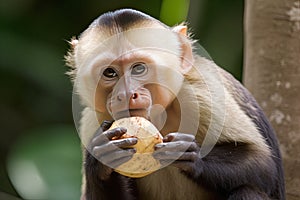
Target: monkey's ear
x,y
181,29
73,42
187,57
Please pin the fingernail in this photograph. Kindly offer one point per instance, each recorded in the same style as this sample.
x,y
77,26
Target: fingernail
x,y
122,129
133,140
133,150
166,138
161,145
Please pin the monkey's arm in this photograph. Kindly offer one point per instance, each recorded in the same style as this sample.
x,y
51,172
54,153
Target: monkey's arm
x,y
238,170
101,181
235,170
115,187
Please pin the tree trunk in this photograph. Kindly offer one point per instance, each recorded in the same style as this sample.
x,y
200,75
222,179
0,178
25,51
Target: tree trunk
x,y
272,74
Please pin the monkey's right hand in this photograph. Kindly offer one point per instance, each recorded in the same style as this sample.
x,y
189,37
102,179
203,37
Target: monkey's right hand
x,y
110,150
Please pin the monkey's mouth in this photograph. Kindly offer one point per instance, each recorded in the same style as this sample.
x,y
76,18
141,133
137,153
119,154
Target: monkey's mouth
x,y
140,112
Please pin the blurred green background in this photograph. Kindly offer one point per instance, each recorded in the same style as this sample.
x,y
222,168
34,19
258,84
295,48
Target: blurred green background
x,y
39,145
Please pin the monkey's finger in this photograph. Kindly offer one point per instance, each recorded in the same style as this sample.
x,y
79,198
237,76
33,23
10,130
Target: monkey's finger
x,y
124,143
180,146
112,146
112,159
106,125
172,137
186,156
103,127
106,136
116,132
167,155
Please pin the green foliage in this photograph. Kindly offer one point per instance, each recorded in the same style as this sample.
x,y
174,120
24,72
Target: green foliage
x,y
174,11
45,164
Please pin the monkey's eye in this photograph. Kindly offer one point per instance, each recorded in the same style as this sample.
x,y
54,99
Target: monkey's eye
x,y
110,73
138,69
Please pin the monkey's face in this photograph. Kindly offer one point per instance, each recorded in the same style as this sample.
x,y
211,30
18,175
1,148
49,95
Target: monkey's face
x,y
134,82
126,74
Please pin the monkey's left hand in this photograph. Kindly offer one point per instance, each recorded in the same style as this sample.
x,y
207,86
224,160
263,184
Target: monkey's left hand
x,y
183,150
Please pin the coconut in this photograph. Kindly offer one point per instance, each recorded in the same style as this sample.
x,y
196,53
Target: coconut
x,y
142,163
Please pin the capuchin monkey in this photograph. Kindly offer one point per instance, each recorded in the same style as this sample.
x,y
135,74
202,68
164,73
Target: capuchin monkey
x,y
127,63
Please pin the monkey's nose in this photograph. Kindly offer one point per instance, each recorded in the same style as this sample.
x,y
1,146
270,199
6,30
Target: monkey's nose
x,y
134,96
123,95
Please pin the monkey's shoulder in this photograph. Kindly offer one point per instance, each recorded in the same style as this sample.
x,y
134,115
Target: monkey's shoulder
x,y
249,106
